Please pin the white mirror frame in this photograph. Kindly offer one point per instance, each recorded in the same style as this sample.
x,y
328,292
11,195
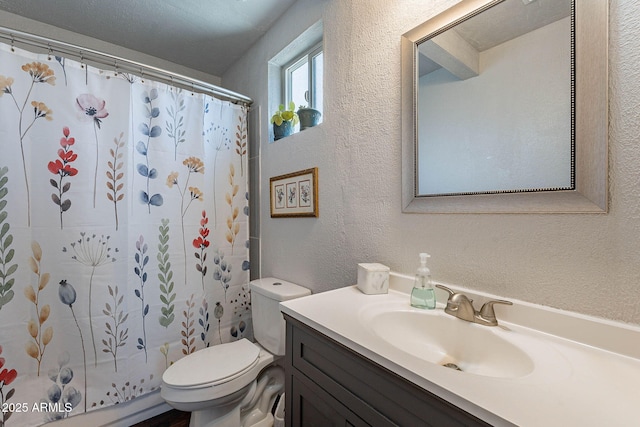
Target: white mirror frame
x,y
591,122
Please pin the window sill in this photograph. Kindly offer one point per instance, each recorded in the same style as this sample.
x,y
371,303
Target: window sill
x,y
296,132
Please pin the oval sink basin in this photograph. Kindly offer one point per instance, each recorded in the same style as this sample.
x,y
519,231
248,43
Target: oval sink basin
x,y
450,342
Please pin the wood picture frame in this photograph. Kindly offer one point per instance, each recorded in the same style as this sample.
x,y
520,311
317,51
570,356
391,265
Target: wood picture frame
x,y
294,194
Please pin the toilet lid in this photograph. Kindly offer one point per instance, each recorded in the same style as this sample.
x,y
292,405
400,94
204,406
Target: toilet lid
x,y
217,364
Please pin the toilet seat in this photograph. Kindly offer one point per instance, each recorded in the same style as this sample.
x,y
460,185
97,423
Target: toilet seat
x,y
212,366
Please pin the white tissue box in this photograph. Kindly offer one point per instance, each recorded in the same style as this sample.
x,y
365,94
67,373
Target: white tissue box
x,y
373,278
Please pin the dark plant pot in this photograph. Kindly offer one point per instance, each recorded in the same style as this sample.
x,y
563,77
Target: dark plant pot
x,y
285,129
308,117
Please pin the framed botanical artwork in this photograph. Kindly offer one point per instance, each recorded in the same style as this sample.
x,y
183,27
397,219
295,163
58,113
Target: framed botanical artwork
x,y
295,194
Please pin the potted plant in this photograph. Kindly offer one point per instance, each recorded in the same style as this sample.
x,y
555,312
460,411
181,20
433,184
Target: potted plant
x,y
284,120
309,117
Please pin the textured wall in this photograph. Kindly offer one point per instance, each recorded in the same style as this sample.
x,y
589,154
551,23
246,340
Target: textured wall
x,y
584,263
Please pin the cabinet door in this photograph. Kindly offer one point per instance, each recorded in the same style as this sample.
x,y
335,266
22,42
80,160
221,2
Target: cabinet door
x,y
314,407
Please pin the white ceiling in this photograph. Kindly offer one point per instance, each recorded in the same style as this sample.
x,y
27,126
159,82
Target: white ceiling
x,y
502,22
511,19
205,35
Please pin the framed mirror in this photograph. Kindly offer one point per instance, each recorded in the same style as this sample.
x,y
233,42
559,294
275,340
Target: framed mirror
x,y
506,118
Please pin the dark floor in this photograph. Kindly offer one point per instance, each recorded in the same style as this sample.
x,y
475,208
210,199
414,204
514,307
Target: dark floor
x,y
172,418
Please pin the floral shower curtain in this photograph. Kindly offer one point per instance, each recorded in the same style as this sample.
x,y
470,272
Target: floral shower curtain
x,y
123,233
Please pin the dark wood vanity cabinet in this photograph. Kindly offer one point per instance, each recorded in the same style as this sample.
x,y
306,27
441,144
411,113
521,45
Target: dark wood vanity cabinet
x,y
327,384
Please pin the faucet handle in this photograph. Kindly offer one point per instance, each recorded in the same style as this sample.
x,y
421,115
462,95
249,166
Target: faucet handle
x,y
451,293
487,312
454,297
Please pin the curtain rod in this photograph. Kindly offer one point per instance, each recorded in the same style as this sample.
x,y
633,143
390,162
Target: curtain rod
x,y
51,46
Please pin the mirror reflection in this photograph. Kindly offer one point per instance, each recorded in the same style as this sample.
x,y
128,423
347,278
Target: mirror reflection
x,y
495,102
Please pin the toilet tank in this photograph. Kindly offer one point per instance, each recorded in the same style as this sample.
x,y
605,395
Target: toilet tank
x,y
268,323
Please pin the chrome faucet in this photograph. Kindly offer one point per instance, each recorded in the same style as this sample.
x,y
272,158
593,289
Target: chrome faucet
x,y
460,306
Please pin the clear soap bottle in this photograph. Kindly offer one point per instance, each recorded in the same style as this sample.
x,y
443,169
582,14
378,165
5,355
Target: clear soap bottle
x,y
423,294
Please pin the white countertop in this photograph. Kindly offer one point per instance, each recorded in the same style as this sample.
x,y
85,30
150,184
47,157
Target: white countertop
x,y
574,383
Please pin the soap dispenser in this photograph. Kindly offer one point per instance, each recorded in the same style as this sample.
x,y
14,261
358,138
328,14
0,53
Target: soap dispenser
x,y
423,294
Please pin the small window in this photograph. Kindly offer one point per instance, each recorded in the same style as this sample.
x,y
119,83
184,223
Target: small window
x,y
302,79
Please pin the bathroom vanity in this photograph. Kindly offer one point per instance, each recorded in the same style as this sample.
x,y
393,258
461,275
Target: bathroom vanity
x,y
354,359
329,384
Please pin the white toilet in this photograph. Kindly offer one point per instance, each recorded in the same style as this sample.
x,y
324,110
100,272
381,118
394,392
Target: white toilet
x,y
235,384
